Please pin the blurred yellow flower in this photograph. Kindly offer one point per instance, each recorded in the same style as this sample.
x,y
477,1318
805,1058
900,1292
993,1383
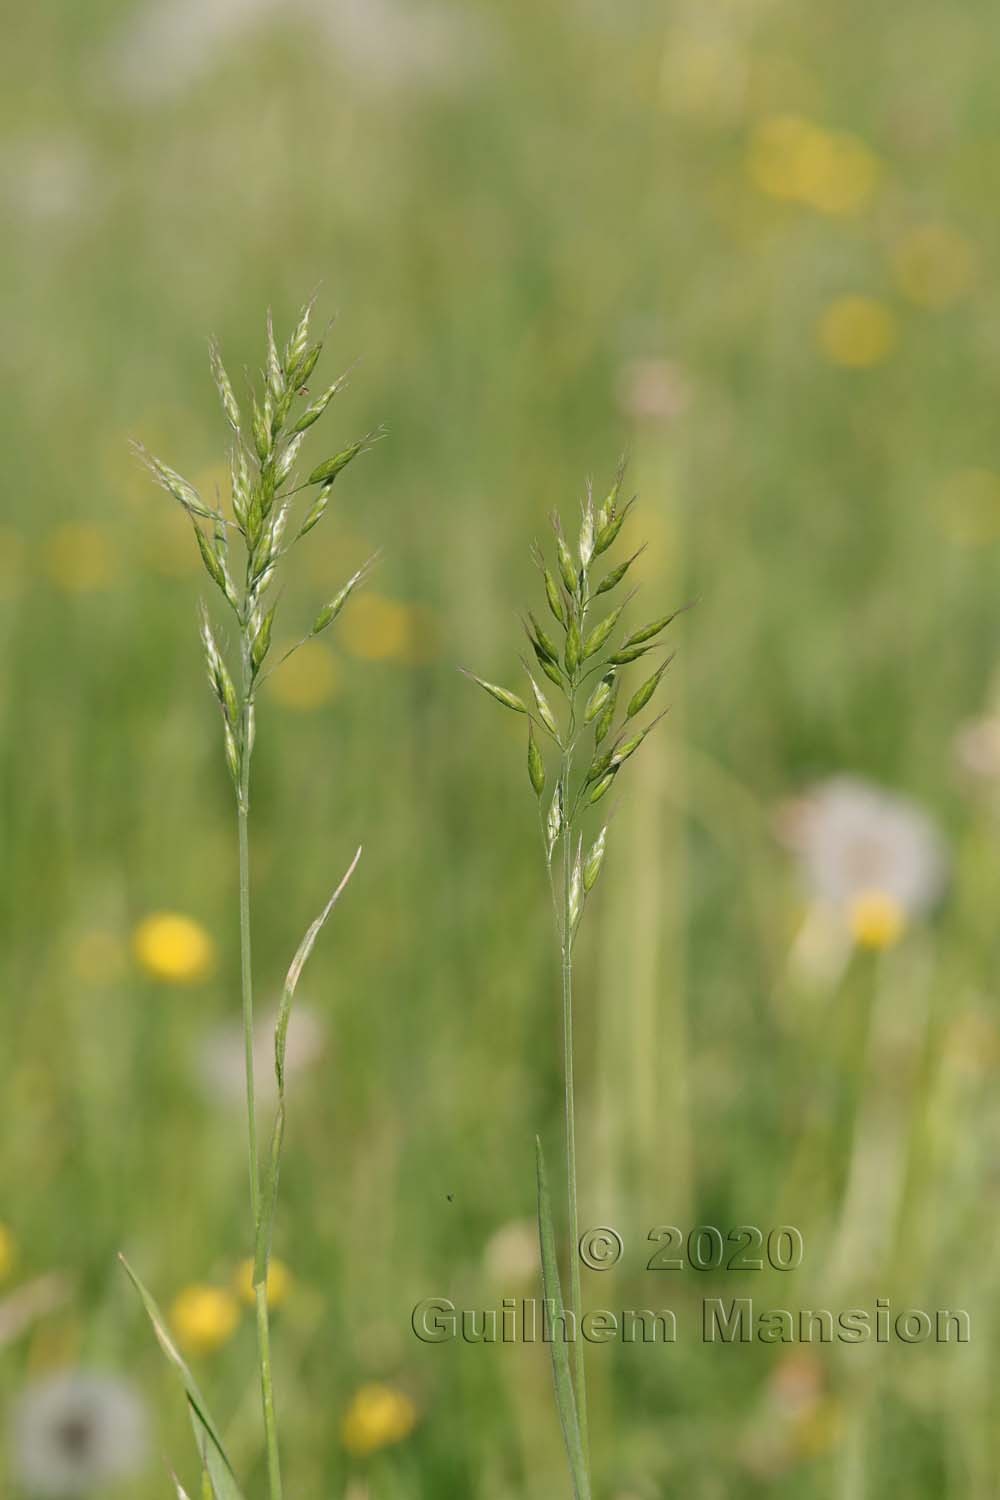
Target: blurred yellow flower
x,y
838,173
876,919
857,332
79,557
376,628
204,1317
98,957
832,171
377,1416
307,680
7,1252
968,506
173,948
934,266
279,1282
168,546
379,629
13,555
819,1430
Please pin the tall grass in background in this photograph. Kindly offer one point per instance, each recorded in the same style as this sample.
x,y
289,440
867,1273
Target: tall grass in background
x,y
583,778
242,555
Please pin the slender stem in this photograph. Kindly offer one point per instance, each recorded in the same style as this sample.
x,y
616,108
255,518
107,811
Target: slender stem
x,y
575,1296
246,969
267,1391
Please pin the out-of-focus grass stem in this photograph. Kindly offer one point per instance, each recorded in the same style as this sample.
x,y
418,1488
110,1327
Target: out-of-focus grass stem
x,y
246,975
573,1222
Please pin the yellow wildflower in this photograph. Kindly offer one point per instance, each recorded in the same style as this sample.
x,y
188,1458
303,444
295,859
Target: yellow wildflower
x,y
772,160
837,172
934,266
307,680
877,920
857,332
204,1317
378,1416
832,171
279,1282
166,544
173,948
8,1252
79,558
819,1430
376,628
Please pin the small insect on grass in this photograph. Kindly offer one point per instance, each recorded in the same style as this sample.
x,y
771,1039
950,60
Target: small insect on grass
x,y
243,551
576,751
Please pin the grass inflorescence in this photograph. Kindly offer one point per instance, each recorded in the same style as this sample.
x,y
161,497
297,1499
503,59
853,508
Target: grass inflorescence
x,y
243,552
575,755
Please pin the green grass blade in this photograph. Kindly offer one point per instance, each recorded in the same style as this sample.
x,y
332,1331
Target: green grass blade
x,y
210,1445
552,1290
263,1242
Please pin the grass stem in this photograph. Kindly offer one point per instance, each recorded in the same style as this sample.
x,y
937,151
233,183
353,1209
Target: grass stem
x,y
573,1222
246,971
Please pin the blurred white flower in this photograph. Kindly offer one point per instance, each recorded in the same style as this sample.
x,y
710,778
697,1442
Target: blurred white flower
x,y
871,858
653,390
393,43
220,1061
47,178
166,45
511,1255
77,1432
976,748
169,44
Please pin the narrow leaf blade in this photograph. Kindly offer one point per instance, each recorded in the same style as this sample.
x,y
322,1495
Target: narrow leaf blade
x,y
262,1248
210,1445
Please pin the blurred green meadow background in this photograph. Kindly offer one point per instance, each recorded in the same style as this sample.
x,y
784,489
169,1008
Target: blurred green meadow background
x,y
754,244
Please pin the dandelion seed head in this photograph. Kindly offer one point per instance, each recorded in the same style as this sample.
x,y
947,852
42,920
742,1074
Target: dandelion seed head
x,y
220,1060
511,1255
976,748
653,391
871,856
76,1433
